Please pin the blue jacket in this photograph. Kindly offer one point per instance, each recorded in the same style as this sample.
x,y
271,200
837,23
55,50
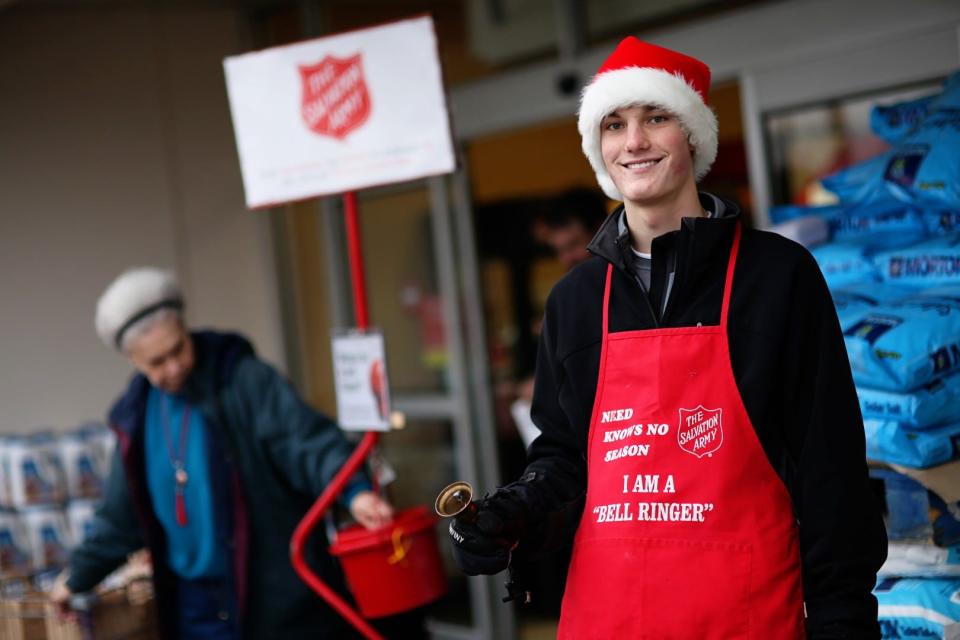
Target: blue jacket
x,y
270,456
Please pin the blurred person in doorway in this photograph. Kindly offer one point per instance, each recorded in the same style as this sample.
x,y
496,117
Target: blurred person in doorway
x,y
570,222
700,429
566,226
218,459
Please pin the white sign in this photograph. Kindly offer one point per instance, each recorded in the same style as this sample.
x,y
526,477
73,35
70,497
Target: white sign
x,y
360,378
339,113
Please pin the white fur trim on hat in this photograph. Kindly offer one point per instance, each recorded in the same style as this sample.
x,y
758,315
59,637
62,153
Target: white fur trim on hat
x,y
133,292
628,86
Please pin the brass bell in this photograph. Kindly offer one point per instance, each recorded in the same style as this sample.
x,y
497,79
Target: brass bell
x,y
456,501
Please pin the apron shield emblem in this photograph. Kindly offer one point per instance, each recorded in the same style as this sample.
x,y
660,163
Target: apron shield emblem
x,y
700,431
335,98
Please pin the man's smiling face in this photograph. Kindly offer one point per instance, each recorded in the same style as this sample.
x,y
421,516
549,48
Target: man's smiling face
x,y
647,154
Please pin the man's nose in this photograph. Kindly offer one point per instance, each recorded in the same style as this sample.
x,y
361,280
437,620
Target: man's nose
x,y
636,137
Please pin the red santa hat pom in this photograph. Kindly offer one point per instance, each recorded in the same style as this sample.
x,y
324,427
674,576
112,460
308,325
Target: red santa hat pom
x,y
639,73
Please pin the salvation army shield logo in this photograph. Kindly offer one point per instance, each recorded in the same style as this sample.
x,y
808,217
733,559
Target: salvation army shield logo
x,y
701,431
335,98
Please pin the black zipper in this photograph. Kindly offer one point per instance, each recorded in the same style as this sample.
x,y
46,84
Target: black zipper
x,y
677,279
643,290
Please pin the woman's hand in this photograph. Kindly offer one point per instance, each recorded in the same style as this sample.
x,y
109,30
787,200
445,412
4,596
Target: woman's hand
x,y
370,510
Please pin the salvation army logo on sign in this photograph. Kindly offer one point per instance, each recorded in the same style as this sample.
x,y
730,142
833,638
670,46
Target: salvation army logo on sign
x,y
339,113
700,431
335,98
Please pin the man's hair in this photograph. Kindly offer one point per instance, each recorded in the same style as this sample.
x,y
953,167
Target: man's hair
x,y
581,205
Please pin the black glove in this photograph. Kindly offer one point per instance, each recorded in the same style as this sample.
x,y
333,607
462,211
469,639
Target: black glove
x,y
484,546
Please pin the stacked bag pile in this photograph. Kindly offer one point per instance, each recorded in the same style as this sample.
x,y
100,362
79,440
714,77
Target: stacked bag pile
x,y
893,266
49,485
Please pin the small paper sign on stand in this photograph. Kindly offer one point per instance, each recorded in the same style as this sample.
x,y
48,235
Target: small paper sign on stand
x,y
360,379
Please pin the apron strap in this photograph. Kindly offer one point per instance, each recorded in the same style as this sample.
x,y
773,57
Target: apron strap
x,y
728,283
606,302
727,286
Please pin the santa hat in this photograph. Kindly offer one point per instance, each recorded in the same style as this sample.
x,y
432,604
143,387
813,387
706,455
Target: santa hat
x,y
639,73
134,295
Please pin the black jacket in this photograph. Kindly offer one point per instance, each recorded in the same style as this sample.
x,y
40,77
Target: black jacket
x,y
270,455
791,370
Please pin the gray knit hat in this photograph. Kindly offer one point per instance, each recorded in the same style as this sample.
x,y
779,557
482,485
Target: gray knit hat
x,y
135,294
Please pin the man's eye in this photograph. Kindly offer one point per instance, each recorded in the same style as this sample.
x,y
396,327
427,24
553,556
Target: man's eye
x,y
613,126
658,119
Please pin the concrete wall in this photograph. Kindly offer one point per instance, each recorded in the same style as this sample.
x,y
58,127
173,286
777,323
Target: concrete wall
x,y
116,149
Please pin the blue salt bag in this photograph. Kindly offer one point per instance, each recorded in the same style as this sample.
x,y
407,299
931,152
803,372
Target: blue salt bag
x,y
854,300
783,212
917,607
942,221
858,181
934,403
896,443
893,122
925,166
850,305
903,345
949,98
880,224
933,262
844,264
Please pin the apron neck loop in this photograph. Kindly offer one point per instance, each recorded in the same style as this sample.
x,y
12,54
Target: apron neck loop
x,y
606,302
728,283
727,286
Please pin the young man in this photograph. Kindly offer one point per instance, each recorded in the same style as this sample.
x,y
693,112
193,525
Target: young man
x,y
693,390
217,461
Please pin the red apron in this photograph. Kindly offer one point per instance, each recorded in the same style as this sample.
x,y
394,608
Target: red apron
x,y
687,532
